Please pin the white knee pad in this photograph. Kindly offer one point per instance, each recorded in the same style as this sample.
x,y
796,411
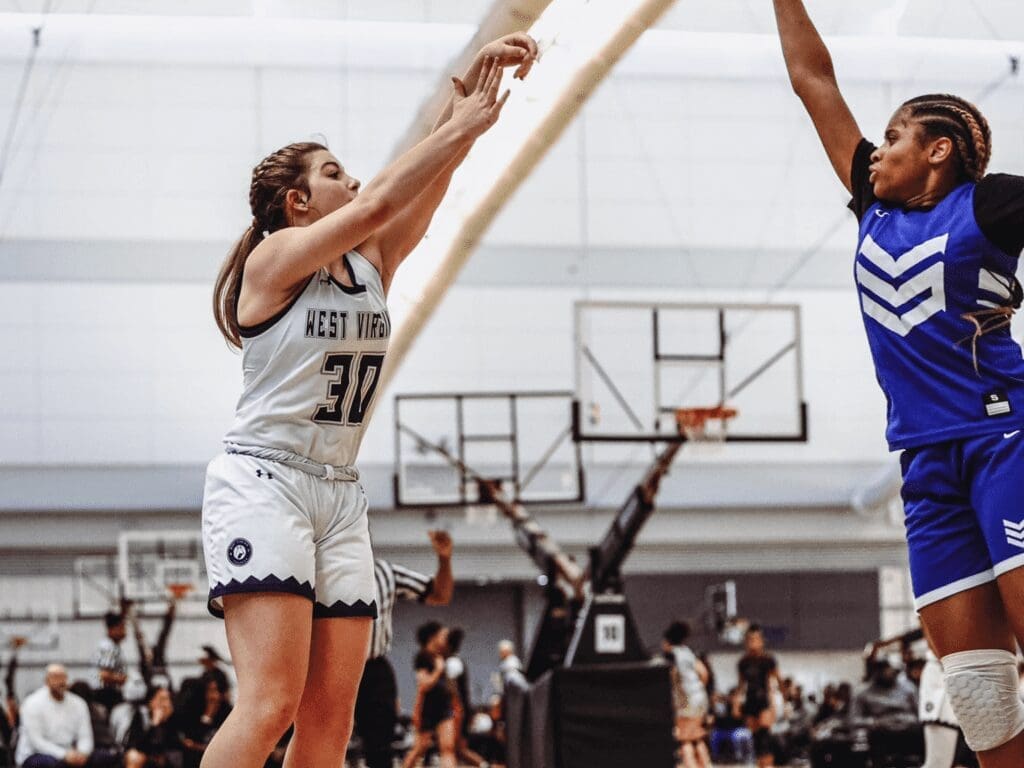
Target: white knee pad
x,y
982,687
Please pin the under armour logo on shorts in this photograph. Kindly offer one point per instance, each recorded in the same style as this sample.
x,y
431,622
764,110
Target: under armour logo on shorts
x,y
239,552
261,473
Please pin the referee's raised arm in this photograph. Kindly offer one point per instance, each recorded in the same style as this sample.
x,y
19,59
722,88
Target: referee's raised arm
x,y
443,584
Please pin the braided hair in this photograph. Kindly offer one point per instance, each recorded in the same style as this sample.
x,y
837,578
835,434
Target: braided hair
x,y
278,172
957,119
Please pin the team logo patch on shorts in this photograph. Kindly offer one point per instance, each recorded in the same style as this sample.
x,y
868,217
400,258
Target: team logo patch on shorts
x,y
240,552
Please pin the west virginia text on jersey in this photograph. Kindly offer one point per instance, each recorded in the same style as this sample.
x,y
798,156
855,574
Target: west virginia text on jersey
x,y
310,374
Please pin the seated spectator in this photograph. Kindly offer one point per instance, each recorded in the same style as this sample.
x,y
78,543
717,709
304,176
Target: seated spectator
x,y
201,719
832,705
153,739
10,703
212,663
792,732
886,707
509,665
730,737
55,725
885,695
106,752
276,759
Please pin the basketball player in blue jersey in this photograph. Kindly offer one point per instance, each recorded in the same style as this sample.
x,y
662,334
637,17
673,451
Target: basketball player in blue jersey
x,y
284,519
936,256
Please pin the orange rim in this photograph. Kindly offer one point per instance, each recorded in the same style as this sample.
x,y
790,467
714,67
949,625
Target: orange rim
x,y
696,418
178,591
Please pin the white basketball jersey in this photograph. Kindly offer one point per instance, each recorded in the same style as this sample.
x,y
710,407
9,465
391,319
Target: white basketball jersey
x,y
310,372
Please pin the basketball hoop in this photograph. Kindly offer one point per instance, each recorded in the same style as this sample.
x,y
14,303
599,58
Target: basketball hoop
x,y
693,423
179,590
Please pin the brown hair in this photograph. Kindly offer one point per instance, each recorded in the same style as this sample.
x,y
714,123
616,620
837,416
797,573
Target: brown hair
x,y
941,114
276,173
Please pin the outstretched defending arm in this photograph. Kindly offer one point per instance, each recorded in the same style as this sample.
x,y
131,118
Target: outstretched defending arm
x,y
814,81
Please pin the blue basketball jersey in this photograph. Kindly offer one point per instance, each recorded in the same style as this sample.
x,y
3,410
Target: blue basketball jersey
x,y
918,273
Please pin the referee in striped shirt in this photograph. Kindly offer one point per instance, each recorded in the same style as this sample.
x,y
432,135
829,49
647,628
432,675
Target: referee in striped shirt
x,y
377,702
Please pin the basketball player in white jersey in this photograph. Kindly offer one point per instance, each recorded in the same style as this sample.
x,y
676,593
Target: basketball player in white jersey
x,y
284,519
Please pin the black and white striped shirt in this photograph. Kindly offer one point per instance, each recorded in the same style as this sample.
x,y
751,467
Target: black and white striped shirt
x,y
393,582
109,658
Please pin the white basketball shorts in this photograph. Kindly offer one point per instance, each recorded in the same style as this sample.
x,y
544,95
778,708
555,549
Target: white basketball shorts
x,y
268,527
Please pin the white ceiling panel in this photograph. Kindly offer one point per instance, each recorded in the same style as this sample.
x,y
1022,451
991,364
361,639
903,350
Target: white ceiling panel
x,y
685,149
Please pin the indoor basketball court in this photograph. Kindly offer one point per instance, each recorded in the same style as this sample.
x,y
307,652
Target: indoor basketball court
x,y
574,449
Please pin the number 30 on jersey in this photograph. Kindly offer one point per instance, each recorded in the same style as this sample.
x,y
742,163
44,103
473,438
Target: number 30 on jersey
x,y
346,404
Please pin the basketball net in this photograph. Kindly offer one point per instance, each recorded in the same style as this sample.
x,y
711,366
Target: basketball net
x,y
704,428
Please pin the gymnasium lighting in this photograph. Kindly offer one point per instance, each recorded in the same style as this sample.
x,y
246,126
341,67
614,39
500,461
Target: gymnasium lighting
x,y
580,41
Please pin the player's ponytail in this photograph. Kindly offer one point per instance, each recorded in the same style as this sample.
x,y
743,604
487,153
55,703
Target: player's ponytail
x,y
277,173
229,285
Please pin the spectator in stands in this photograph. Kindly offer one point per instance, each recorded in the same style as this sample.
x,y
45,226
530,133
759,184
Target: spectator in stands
x,y
9,707
488,732
884,694
201,719
106,752
124,714
730,737
111,671
55,725
276,758
792,733
834,706
887,707
190,700
153,739
213,666
914,670
486,735
433,714
509,664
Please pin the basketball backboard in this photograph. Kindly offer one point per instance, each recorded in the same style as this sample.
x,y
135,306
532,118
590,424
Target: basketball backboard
x,y
147,569
637,363
523,440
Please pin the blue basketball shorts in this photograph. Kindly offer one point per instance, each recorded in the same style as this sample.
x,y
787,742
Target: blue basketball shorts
x,y
964,506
